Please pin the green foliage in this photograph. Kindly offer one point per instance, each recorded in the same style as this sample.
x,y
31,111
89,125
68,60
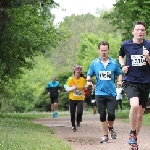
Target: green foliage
x,y
125,13
29,31
24,93
88,47
63,96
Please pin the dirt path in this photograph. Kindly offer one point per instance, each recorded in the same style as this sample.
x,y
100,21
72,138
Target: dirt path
x,y
88,135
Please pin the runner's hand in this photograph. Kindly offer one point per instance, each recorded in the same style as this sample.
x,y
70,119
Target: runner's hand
x,y
125,69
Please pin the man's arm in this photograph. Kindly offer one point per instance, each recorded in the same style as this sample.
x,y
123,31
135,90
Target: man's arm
x,y
121,61
119,79
146,54
123,66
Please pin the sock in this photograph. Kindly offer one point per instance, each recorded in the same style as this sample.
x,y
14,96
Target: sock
x,y
110,128
134,132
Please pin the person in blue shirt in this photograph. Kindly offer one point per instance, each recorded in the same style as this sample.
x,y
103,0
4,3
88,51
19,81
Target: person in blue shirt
x,y
106,69
53,92
136,80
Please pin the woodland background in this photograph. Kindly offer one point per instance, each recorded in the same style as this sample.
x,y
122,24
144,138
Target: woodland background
x,y
32,48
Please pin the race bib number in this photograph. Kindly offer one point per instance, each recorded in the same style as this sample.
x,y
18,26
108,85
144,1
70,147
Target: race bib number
x,y
77,93
105,75
138,60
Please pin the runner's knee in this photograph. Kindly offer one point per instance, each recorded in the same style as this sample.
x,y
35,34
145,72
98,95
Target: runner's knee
x,y
111,117
103,117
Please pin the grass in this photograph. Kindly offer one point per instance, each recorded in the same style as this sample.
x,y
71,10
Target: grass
x,y
19,133
124,116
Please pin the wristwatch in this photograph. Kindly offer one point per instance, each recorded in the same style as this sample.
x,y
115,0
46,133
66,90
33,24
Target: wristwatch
x,y
122,66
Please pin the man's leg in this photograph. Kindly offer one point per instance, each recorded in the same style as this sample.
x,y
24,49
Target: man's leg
x,y
101,105
111,105
135,123
56,109
56,106
139,119
104,127
133,115
120,101
52,107
117,105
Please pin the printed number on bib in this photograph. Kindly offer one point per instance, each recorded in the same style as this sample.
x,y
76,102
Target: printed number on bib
x,y
77,93
138,60
105,75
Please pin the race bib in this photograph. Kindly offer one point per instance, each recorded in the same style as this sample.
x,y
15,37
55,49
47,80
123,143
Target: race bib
x,y
105,75
138,60
77,93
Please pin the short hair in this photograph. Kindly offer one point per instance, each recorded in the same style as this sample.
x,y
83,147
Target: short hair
x,y
139,23
103,43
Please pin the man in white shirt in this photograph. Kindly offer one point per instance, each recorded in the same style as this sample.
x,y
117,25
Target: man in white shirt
x,y
119,91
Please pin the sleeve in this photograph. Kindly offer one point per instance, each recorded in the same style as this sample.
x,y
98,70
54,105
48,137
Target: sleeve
x,y
118,69
91,70
68,88
70,82
122,51
122,92
69,85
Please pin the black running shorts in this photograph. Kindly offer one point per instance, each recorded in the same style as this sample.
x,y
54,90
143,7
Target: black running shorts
x,y
140,90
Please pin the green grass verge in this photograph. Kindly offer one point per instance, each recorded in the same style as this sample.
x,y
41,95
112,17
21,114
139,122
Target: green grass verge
x,y
19,133
124,116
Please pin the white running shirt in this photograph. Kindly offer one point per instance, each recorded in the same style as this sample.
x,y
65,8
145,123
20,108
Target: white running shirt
x,y
119,95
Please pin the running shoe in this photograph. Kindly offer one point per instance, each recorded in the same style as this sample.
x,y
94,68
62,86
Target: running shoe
x,y
132,138
74,129
134,147
113,134
56,114
104,139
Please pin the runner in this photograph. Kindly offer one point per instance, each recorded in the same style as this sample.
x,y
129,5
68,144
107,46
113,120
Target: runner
x,y
75,86
136,80
119,91
93,100
105,69
53,91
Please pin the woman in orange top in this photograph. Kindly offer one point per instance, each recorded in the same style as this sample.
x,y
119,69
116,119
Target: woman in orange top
x,y
75,86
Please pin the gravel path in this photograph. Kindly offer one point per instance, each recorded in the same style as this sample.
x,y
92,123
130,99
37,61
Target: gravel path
x,y
88,135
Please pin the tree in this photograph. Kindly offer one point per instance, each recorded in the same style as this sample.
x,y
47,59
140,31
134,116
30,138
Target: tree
x,y
24,94
126,12
88,47
28,31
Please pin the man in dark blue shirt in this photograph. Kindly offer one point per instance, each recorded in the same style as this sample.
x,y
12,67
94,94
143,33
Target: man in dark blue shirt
x,y
136,80
53,91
